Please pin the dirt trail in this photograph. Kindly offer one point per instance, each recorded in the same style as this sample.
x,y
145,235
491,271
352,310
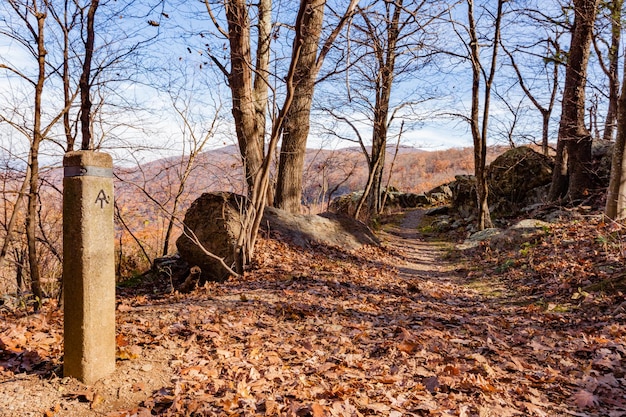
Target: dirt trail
x,y
424,258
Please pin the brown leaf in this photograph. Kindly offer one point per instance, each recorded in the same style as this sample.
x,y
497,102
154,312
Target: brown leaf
x,y
318,410
585,398
407,346
432,384
140,386
52,411
120,340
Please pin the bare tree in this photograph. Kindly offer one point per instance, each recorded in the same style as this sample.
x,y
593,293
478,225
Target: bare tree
x,y
249,85
479,125
47,34
85,78
388,43
616,192
32,15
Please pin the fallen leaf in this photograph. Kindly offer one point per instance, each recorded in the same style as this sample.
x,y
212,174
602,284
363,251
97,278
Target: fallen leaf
x,y
584,398
432,384
318,410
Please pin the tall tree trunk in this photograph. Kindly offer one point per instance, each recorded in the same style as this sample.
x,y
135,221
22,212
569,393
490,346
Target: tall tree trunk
x,y
248,105
616,192
615,7
258,199
571,173
260,86
296,130
67,96
85,79
31,215
297,121
379,135
479,133
385,53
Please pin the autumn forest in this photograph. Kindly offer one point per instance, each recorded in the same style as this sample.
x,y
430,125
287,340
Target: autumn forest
x,y
423,205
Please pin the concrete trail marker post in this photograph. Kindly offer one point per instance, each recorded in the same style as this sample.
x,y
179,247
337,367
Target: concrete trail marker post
x,y
88,266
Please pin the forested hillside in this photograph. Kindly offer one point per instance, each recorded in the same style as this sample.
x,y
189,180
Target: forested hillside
x,y
144,196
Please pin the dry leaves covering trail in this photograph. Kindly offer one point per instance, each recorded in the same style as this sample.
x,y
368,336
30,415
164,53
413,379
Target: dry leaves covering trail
x,y
399,331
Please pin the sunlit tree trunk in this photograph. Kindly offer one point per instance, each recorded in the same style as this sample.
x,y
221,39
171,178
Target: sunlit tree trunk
x,y
571,172
385,53
249,97
479,131
297,121
616,192
31,216
611,70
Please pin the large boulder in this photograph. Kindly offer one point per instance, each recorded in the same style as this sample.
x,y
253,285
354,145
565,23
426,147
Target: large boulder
x,y
517,178
214,221
514,176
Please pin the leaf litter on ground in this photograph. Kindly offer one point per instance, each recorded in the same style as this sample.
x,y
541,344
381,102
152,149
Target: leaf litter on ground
x,y
322,332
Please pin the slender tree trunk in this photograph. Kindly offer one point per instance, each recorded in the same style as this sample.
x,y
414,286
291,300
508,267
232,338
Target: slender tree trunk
x,y
261,83
85,79
612,71
296,130
31,216
385,53
67,96
10,229
258,199
616,192
393,162
479,134
20,256
545,132
571,173
379,141
297,121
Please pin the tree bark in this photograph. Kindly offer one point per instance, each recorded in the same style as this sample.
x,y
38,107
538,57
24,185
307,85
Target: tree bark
x,y
297,121
385,52
31,215
248,104
571,173
85,79
479,132
616,192
615,8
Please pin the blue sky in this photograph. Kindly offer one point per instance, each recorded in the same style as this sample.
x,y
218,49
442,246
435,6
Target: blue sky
x,y
139,114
